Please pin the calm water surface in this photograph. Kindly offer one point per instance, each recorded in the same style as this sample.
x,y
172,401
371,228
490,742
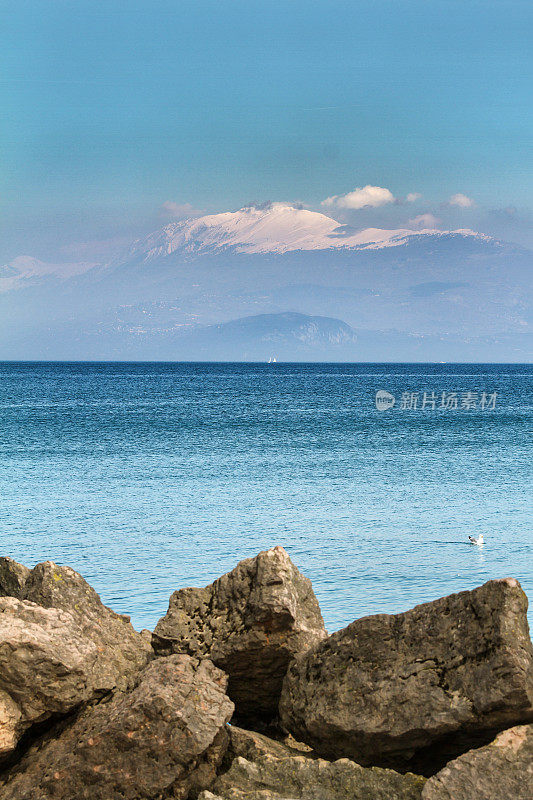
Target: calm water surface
x,y
150,477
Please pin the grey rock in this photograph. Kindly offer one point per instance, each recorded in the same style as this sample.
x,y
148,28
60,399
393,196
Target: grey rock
x,y
13,576
502,770
301,778
252,745
46,667
163,739
122,652
413,690
251,623
60,647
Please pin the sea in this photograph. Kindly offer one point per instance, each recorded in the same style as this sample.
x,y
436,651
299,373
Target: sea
x,y
148,477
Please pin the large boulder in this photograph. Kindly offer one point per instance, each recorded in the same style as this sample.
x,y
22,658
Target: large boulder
x,y
13,577
250,623
122,652
47,667
60,647
413,690
301,778
503,770
163,739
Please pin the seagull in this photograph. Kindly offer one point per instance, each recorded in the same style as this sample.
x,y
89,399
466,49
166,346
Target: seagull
x,y
479,541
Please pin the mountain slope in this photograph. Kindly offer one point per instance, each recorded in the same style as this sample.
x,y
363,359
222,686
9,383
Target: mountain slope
x,y
458,286
287,336
274,228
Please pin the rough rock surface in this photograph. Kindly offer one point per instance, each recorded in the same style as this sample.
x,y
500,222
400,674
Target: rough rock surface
x,y
250,623
410,689
163,739
122,652
252,745
300,778
13,576
46,667
59,647
503,770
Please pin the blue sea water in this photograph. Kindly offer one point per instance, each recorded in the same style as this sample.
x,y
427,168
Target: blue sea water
x,y
150,477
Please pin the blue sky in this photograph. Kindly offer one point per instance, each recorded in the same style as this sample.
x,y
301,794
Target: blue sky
x,y
111,109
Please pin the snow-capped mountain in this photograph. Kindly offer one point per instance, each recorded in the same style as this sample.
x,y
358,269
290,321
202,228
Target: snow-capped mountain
x,y
168,294
274,228
26,270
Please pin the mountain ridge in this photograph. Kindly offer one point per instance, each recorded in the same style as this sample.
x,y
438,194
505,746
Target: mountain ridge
x,y
278,228
275,228
286,336
454,285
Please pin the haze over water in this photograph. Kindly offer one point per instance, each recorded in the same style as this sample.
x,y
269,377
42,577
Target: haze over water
x,y
150,477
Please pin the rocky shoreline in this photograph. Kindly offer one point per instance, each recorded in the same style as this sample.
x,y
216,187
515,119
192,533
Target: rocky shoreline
x,y
240,694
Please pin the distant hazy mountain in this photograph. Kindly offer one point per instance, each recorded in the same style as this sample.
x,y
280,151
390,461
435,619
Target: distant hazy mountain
x,y
439,288
288,337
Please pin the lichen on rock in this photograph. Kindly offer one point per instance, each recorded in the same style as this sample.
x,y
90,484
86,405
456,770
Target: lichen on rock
x,y
301,778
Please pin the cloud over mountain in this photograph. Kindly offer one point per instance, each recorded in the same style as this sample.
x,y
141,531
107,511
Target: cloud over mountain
x,y
461,201
365,197
424,221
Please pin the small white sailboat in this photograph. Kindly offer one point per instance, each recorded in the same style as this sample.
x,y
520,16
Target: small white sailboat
x,y
272,360
479,541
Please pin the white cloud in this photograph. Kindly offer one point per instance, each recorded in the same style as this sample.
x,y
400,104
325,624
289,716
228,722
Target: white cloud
x,y
365,197
178,210
424,221
412,197
461,201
